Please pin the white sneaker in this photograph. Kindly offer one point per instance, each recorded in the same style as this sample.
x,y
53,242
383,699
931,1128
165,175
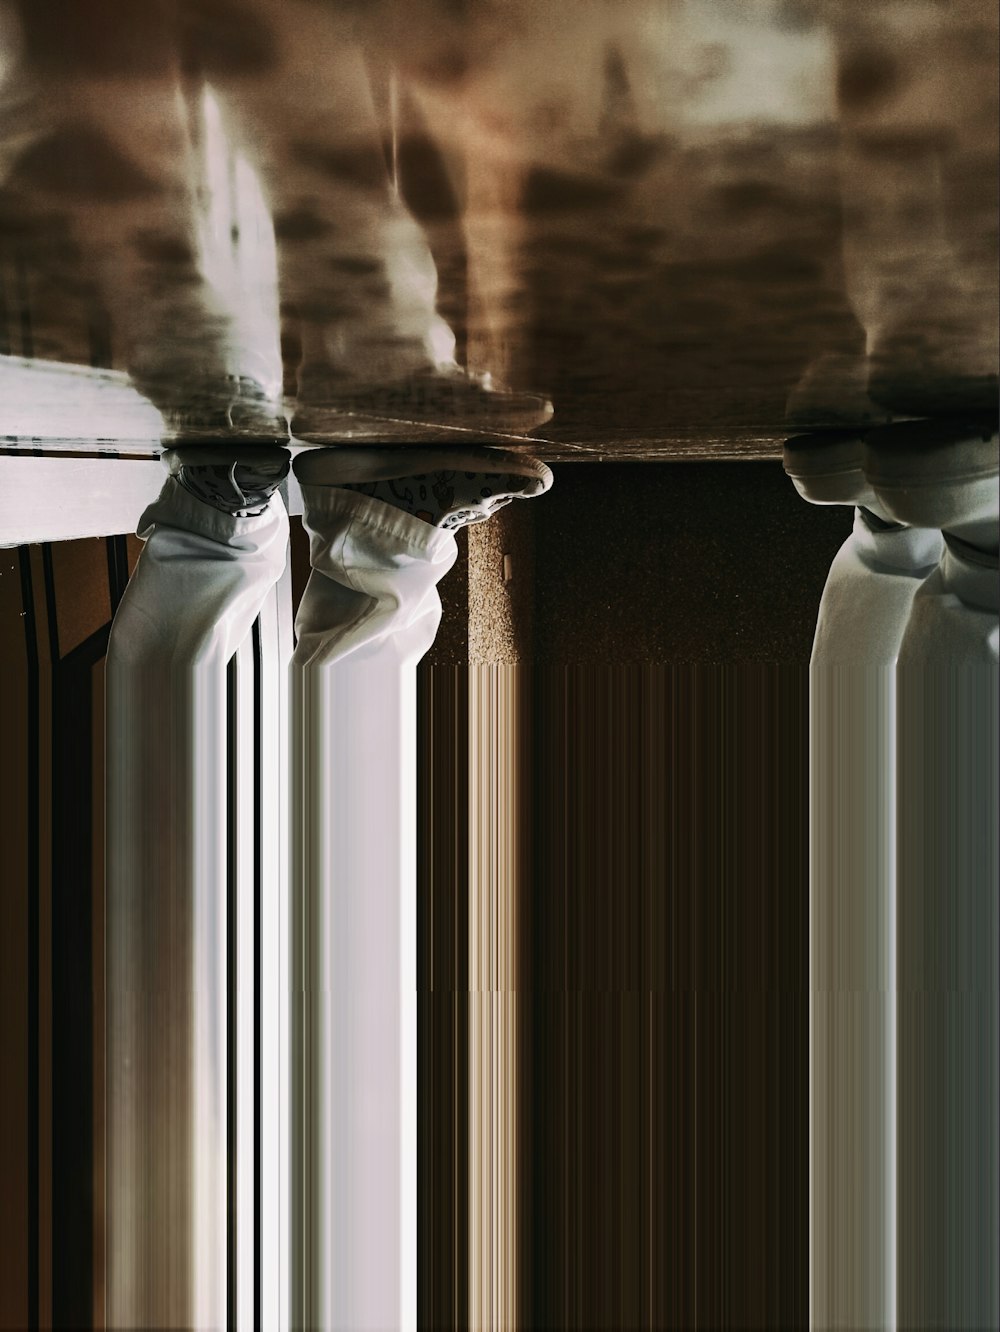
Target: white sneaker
x,y
827,467
448,488
941,474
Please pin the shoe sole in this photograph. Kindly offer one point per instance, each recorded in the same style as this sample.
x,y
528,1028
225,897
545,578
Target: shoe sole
x,y
195,454
324,425
931,453
935,474
261,429
334,430
827,467
339,467
219,438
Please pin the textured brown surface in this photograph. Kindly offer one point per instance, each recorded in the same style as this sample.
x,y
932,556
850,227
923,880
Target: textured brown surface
x,y
501,612
679,562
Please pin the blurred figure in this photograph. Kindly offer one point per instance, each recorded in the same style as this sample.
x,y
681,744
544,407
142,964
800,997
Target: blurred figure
x,y
101,126
904,953
918,113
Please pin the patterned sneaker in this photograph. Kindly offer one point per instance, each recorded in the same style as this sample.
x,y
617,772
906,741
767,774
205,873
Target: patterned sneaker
x,y
447,397
448,488
239,481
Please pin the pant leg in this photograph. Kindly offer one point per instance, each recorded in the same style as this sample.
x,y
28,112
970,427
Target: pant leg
x,y
372,595
862,617
949,967
369,612
869,593
199,584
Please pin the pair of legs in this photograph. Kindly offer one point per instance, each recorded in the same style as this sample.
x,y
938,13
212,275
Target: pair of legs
x,y
905,965
145,157
369,612
904,1187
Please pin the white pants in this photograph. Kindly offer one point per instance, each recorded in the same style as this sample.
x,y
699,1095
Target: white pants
x,y
370,611
949,948
903,936
863,613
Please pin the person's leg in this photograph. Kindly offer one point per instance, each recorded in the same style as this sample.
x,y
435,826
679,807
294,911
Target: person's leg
x,y
916,100
948,752
917,105
949,969
862,616
199,584
369,613
870,588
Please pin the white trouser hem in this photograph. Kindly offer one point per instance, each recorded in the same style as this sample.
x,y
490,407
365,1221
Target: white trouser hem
x,y
200,582
374,581
869,594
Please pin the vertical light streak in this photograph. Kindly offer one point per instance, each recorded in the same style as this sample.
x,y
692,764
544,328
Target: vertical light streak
x,y
166,993
238,253
408,1002
244,989
891,1136
394,129
273,1000
354,984
494,843
852,1204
